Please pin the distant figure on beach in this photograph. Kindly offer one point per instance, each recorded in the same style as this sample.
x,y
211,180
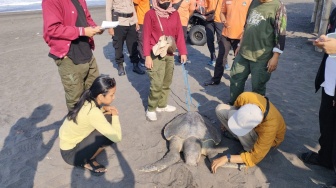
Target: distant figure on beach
x,y
91,126
212,27
233,16
160,69
260,47
68,29
141,7
124,12
256,123
326,78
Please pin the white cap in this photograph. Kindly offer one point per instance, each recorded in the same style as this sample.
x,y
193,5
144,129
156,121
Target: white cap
x,y
245,119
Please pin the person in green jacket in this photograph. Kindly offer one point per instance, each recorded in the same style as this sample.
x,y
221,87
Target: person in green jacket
x,y
91,126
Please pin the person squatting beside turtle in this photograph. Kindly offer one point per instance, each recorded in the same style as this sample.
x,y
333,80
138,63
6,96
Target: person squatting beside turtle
x,y
92,125
160,69
124,12
256,123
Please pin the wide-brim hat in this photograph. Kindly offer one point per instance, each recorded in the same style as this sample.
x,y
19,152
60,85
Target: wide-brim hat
x,y
245,119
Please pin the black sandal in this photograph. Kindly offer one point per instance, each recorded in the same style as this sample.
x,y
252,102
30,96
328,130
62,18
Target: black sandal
x,y
94,168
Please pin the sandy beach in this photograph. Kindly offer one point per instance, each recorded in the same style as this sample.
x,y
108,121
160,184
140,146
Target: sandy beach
x,y
33,108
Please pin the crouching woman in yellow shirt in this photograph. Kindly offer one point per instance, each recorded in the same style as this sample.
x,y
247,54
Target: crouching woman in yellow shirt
x,y
256,123
92,125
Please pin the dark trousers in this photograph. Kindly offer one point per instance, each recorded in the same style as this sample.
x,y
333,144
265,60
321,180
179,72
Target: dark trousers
x,y
327,140
128,34
185,32
224,47
140,44
212,28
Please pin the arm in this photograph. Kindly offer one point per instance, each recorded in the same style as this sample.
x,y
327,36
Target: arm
x,y
99,122
180,41
262,146
222,160
53,23
146,35
280,37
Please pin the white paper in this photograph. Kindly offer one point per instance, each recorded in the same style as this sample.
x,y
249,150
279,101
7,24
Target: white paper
x,y
109,24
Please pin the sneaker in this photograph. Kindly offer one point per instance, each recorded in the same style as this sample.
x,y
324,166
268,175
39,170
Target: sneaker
x,y
227,67
151,116
168,108
212,63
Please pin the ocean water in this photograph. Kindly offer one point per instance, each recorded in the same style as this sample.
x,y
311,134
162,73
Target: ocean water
x,y
30,5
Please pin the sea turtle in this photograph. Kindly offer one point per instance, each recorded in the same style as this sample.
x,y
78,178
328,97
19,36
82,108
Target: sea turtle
x,y
190,133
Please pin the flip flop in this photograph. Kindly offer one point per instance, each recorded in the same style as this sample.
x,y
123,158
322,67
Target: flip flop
x,y
94,168
310,158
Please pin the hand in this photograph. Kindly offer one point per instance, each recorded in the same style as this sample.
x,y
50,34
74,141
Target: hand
x,y
183,59
137,27
101,30
149,62
91,31
111,110
273,63
111,31
217,163
327,44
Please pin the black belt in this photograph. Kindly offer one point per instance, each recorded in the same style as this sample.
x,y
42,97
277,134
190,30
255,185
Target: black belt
x,y
125,15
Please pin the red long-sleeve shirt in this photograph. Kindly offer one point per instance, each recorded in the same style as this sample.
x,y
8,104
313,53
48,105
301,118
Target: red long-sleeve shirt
x,y
59,20
171,26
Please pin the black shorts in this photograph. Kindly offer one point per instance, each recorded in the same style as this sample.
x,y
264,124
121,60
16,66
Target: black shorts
x,y
84,150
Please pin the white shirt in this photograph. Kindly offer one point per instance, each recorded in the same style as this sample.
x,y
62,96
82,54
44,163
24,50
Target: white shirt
x,y
329,83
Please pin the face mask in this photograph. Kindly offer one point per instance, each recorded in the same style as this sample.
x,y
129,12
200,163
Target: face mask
x,y
164,5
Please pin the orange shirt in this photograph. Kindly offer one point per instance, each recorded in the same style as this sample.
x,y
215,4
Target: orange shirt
x,y
235,12
141,9
211,5
186,8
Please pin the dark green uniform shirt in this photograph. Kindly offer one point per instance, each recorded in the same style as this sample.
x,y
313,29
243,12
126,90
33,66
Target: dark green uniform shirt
x,y
265,30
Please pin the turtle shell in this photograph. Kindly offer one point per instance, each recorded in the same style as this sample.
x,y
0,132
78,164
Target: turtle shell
x,y
192,124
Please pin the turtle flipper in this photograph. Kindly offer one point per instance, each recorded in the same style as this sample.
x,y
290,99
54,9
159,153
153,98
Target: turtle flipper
x,y
173,156
169,159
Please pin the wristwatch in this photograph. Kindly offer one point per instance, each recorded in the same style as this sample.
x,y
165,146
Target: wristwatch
x,y
228,157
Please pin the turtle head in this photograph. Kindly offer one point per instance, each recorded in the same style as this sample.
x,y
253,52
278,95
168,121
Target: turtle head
x,y
192,148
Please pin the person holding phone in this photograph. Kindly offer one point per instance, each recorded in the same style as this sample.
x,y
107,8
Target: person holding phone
x,y
326,79
68,29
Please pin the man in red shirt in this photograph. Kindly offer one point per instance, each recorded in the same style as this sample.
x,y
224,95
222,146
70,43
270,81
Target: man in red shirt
x,y
68,30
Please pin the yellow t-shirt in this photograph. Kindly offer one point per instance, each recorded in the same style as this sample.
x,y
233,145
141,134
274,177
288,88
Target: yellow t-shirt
x,y
141,7
235,12
89,118
271,131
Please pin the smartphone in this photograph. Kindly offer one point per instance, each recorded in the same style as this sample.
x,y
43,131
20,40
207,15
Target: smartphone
x,y
313,39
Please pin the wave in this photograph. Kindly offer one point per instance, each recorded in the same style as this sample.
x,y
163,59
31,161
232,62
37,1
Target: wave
x,y
20,3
